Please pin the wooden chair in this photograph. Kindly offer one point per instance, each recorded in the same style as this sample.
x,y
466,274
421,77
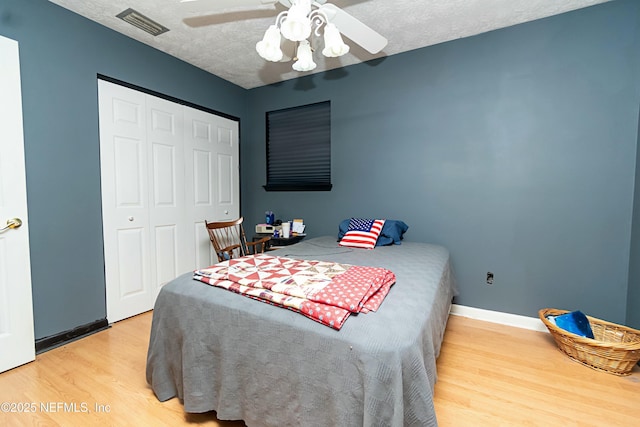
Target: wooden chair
x,y
229,241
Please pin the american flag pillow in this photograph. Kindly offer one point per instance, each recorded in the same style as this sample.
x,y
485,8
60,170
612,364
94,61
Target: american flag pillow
x,y
362,233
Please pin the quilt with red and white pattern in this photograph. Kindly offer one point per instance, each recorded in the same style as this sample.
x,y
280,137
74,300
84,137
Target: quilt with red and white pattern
x,y
326,292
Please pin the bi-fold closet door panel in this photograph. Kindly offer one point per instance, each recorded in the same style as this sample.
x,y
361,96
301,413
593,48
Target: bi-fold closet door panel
x,y
168,238
124,174
212,185
160,181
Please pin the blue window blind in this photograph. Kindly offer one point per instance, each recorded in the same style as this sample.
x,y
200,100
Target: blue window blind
x,y
299,148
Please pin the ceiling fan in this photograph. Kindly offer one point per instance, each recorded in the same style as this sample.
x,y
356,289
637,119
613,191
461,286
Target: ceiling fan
x,y
296,24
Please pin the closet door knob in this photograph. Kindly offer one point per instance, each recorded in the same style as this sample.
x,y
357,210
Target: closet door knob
x,y
130,218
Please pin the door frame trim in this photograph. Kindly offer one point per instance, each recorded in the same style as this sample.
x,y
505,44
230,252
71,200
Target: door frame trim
x,y
169,98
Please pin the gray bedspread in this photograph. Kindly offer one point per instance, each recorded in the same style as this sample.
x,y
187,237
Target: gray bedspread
x,y
269,366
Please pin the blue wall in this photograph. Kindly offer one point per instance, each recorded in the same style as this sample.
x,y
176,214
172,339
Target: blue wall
x,y
516,149
633,295
61,54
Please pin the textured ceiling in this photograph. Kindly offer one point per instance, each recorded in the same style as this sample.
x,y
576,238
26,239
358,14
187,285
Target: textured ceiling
x,y
223,43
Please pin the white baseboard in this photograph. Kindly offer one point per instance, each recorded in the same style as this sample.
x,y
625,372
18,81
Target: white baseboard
x,y
516,320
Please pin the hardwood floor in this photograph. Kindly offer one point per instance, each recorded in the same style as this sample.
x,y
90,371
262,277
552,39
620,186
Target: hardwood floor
x,y
489,375
495,375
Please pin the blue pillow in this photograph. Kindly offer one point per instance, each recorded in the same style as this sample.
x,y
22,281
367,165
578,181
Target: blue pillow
x,y
392,232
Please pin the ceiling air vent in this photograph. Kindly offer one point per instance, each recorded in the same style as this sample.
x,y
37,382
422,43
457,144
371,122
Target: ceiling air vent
x,y
137,19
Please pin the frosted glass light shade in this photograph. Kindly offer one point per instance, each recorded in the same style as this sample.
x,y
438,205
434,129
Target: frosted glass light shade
x,y
269,47
333,44
297,25
305,59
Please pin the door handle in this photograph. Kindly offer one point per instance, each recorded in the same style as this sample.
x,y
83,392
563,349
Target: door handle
x,y
12,223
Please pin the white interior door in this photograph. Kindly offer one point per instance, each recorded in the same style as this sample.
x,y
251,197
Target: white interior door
x,y
125,206
17,343
165,168
167,237
213,177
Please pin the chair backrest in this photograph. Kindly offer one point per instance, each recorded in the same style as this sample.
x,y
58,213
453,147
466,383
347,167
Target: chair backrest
x,y
228,238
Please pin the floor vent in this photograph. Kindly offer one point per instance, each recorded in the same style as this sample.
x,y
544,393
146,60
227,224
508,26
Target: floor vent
x,y
137,19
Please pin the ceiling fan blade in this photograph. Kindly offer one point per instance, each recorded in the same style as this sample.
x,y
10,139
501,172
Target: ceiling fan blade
x,y
216,5
354,29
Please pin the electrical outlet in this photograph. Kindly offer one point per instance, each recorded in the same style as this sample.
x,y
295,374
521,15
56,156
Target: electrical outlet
x,y
489,278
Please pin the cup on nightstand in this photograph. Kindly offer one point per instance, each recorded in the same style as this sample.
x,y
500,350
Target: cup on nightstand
x,y
286,230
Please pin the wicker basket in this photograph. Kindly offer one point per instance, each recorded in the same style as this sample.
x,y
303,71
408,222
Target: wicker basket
x,y
615,349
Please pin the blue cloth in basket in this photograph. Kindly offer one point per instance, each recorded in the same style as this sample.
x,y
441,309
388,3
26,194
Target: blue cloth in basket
x,y
575,322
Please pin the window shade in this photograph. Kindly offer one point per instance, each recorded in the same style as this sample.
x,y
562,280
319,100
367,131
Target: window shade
x,y
299,148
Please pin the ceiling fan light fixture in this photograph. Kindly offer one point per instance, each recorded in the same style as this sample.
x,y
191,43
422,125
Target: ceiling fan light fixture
x,y
305,59
333,44
307,18
269,47
296,25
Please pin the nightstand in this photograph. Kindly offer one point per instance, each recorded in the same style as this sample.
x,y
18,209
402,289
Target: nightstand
x,y
276,242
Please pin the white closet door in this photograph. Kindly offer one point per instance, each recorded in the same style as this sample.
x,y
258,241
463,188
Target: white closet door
x,y
228,168
212,182
165,150
125,200
165,168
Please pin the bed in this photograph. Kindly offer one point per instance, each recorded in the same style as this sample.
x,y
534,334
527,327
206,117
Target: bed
x,y
269,366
